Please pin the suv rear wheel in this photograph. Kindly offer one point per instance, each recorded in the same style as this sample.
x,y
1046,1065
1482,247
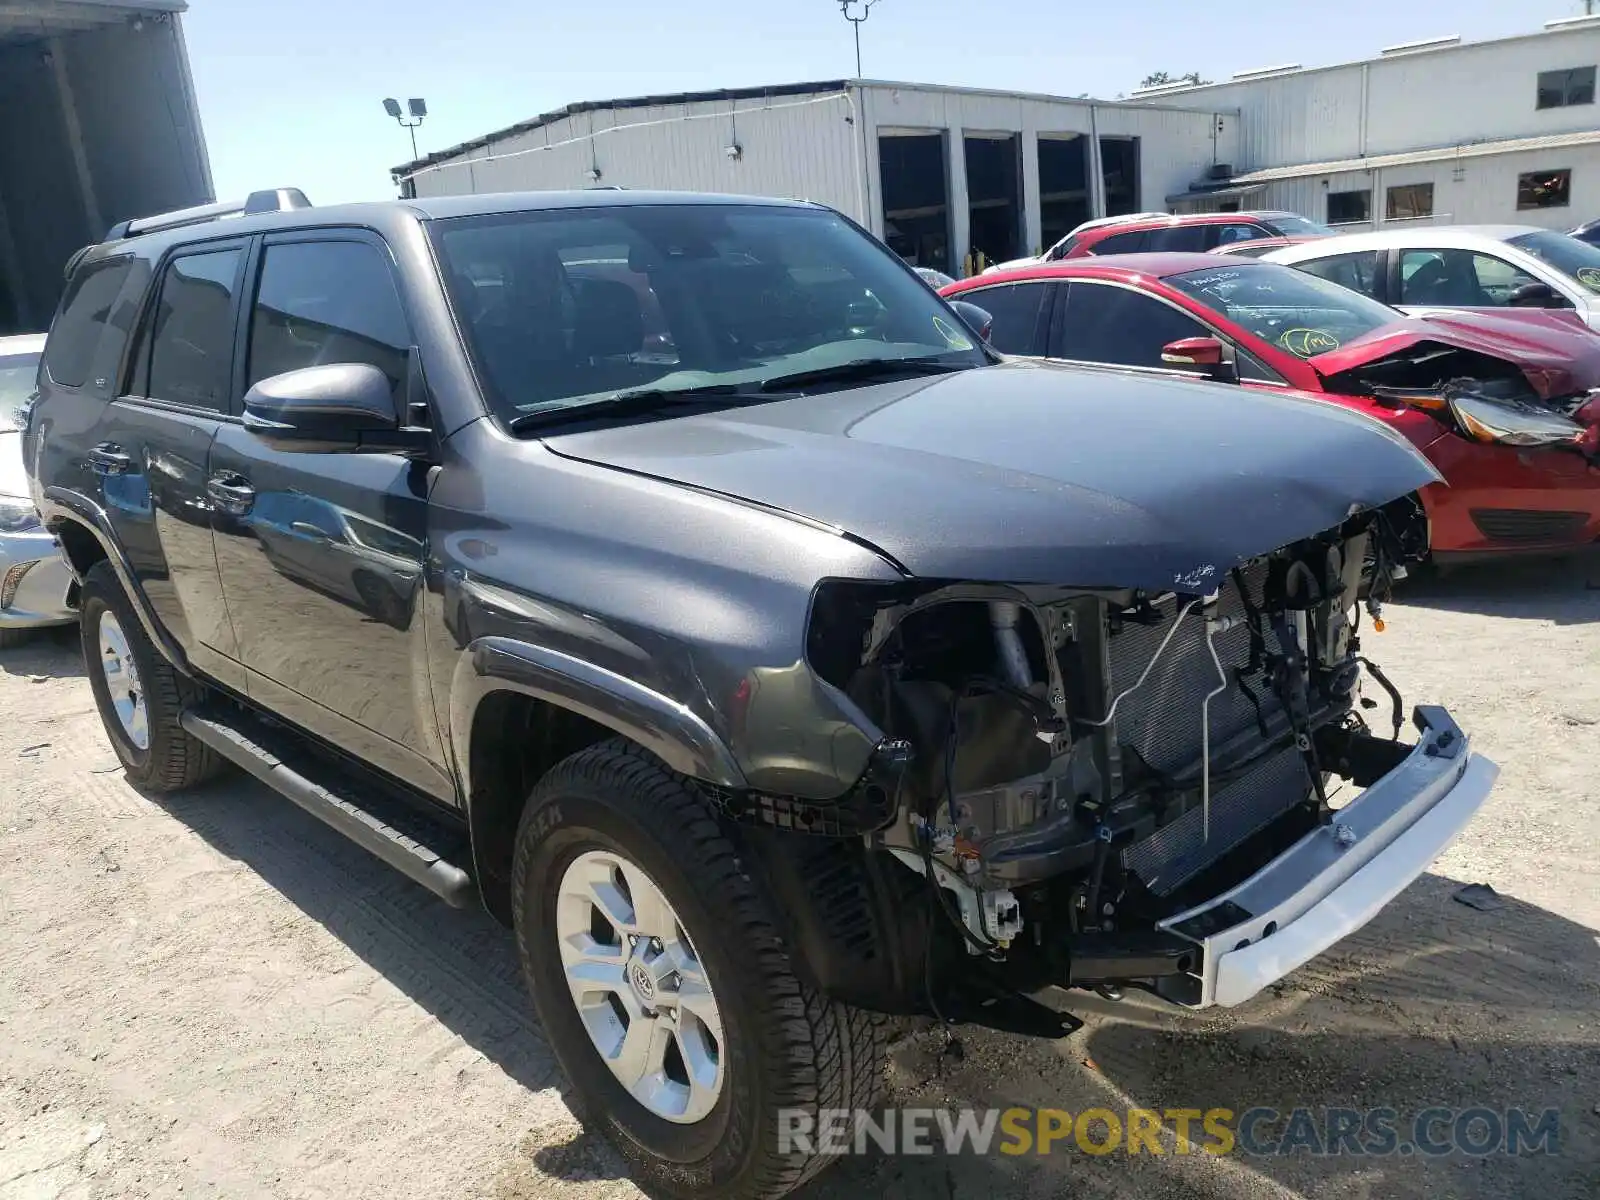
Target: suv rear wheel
x,y
140,696
667,993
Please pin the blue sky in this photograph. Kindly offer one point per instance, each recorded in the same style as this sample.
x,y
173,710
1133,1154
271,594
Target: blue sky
x,y
291,91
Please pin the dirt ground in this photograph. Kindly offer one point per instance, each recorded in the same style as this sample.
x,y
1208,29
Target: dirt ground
x,y
214,995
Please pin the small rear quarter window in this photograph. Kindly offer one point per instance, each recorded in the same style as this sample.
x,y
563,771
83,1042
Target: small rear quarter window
x,y
82,318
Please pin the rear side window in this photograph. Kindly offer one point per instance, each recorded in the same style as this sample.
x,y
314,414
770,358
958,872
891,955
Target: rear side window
x,y
321,303
1228,234
1122,243
1357,271
1188,238
1016,309
84,314
191,355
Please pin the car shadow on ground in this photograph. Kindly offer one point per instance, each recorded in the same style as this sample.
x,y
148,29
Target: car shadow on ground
x,y
1564,592
53,653
1432,1005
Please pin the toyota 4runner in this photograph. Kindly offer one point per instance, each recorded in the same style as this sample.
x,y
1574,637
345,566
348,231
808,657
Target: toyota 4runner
x,y
684,579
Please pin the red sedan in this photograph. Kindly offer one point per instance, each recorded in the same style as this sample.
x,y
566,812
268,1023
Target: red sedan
x,y
1507,406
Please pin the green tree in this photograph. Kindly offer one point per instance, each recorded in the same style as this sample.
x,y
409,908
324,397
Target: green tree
x,y
1161,79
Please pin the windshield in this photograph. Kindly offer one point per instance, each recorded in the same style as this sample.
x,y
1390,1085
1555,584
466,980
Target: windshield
x,y
1294,225
564,306
1566,254
18,374
1294,311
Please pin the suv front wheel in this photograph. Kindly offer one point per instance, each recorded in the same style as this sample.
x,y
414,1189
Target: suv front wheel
x,y
664,986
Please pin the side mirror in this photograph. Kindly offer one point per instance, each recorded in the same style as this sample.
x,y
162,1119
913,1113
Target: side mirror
x,y
979,320
1537,295
1209,355
341,408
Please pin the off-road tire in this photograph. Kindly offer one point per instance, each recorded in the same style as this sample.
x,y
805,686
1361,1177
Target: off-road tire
x,y
785,1046
174,760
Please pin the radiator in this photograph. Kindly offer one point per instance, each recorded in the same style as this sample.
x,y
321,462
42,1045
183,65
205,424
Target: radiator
x,y
1161,724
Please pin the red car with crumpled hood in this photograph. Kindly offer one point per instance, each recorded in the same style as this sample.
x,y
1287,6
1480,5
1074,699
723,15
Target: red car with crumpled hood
x,y
1506,405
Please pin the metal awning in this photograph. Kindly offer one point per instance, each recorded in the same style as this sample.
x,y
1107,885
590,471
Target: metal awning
x,y
1408,158
1232,191
36,20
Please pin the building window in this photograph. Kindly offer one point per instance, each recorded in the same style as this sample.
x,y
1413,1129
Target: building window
x,y
1559,89
1544,189
1347,207
1408,201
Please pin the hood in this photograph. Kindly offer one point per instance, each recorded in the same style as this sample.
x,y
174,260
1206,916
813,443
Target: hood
x,y
1038,473
1557,355
1012,264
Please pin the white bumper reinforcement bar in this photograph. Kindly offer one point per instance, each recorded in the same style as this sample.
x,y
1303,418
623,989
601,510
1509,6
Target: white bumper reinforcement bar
x,y
1336,879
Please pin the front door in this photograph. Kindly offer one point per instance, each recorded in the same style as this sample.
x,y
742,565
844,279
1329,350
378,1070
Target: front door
x,y
149,452
322,555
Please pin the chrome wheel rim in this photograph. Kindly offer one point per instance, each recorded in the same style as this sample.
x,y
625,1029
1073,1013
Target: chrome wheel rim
x,y
640,989
121,675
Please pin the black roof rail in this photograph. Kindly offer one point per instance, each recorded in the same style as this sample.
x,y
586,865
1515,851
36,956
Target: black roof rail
x,y
271,200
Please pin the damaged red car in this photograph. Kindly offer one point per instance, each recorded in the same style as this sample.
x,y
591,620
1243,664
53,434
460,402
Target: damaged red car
x,y
1506,405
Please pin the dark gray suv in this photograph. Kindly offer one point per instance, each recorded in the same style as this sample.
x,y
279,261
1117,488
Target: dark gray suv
x,y
684,579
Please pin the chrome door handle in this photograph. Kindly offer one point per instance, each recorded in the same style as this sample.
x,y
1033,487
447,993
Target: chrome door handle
x,y
232,493
108,458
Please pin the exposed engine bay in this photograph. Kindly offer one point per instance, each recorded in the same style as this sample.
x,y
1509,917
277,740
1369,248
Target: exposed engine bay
x,y
1064,768
1482,397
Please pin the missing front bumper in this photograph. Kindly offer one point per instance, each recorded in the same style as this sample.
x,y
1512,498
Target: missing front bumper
x,y
1335,879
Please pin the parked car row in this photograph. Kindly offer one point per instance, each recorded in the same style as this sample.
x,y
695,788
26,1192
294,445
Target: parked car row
x,y
35,585
1486,363
687,581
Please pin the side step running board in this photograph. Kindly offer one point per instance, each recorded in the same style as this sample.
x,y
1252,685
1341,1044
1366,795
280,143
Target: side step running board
x,y
401,850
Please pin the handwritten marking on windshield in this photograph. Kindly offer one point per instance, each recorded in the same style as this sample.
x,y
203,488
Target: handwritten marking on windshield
x,y
1307,343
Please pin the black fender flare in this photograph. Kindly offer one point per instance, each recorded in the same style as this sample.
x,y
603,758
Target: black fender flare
x,y
666,727
60,505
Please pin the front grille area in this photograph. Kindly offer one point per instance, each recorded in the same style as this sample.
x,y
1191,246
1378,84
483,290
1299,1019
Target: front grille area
x,y
1175,852
1161,724
1528,525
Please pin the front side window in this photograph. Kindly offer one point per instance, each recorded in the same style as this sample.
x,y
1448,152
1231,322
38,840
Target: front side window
x,y
191,354
1544,189
1409,201
1106,324
325,302
1458,279
1358,270
1287,308
1228,235
1558,89
1346,208
85,312
563,306
1016,309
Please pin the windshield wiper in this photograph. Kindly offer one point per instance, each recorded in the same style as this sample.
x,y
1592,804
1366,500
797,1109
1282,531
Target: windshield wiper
x,y
624,403
862,368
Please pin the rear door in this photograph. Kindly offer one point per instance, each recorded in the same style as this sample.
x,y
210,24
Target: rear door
x,y
322,555
153,441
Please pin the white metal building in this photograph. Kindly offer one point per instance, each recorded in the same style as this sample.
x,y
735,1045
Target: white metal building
x,y
936,172
1435,131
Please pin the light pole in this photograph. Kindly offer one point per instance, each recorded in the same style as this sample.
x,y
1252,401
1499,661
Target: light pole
x,y
417,110
863,10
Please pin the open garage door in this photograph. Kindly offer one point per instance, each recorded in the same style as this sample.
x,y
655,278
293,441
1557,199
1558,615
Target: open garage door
x,y
99,125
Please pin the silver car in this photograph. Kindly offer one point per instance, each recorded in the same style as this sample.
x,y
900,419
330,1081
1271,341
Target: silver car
x,y
1425,268
34,579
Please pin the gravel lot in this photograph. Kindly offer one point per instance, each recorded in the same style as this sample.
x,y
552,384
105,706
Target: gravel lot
x,y
214,995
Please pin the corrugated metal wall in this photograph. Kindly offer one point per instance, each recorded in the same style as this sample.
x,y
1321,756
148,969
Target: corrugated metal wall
x,y
1421,100
802,147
